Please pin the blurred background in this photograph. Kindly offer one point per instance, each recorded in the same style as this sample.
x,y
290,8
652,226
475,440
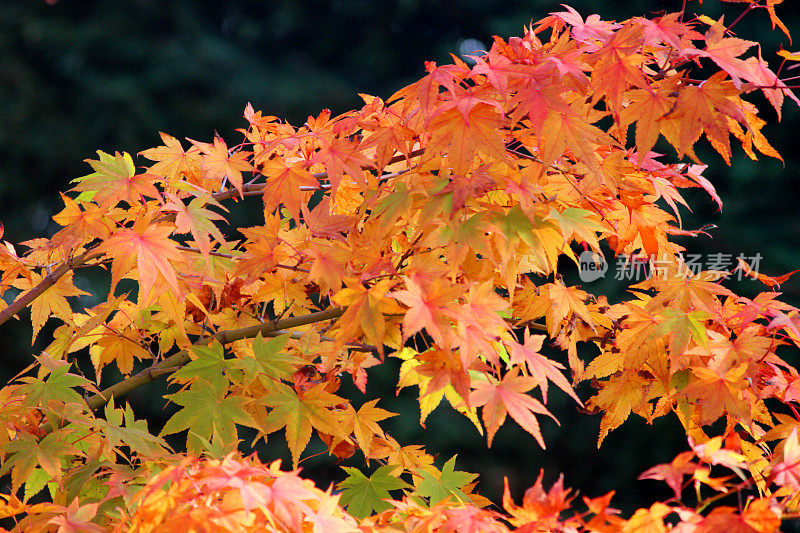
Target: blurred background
x,y
81,76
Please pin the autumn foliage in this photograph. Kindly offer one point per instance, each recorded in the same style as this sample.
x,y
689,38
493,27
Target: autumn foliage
x,y
428,227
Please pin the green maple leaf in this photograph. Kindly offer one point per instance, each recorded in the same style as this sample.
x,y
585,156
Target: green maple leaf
x,y
268,363
25,454
209,365
58,387
364,496
206,408
448,482
134,434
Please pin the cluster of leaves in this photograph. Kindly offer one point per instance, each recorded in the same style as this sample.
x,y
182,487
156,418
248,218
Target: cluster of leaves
x,y
429,228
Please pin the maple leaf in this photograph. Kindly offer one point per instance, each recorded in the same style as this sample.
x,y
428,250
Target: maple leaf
x,y
365,309
149,249
647,106
568,128
697,111
444,368
682,327
342,156
508,397
436,486
579,224
283,185
427,306
197,220
617,66
539,366
769,281
328,265
298,413
539,507
82,225
565,302
686,291
672,473
464,188
592,28
59,386
428,400
617,397
787,472
26,453
53,302
133,433
325,224
719,393
463,127
268,363
119,349
208,364
363,496
114,180
725,52
388,136
171,159
220,163
363,424
207,409
77,518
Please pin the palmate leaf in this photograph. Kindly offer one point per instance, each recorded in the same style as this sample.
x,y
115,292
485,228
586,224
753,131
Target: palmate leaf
x,y
115,179
208,364
268,363
26,453
299,413
194,218
206,409
133,433
363,496
58,386
447,483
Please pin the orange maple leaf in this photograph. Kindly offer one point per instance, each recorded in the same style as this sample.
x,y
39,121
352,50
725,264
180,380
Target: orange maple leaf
x,y
220,163
52,302
365,309
114,179
283,185
150,250
426,307
508,397
463,127
540,366
197,220
171,159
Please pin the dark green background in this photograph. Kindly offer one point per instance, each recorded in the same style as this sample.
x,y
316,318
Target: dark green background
x,y
80,76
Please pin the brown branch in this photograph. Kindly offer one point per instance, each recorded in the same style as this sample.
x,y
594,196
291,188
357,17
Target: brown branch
x,y
175,361
49,280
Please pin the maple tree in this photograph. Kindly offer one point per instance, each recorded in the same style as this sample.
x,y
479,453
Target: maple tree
x,y
426,227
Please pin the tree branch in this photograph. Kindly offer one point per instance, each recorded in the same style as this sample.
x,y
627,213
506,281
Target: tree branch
x,y
175,361
49,280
